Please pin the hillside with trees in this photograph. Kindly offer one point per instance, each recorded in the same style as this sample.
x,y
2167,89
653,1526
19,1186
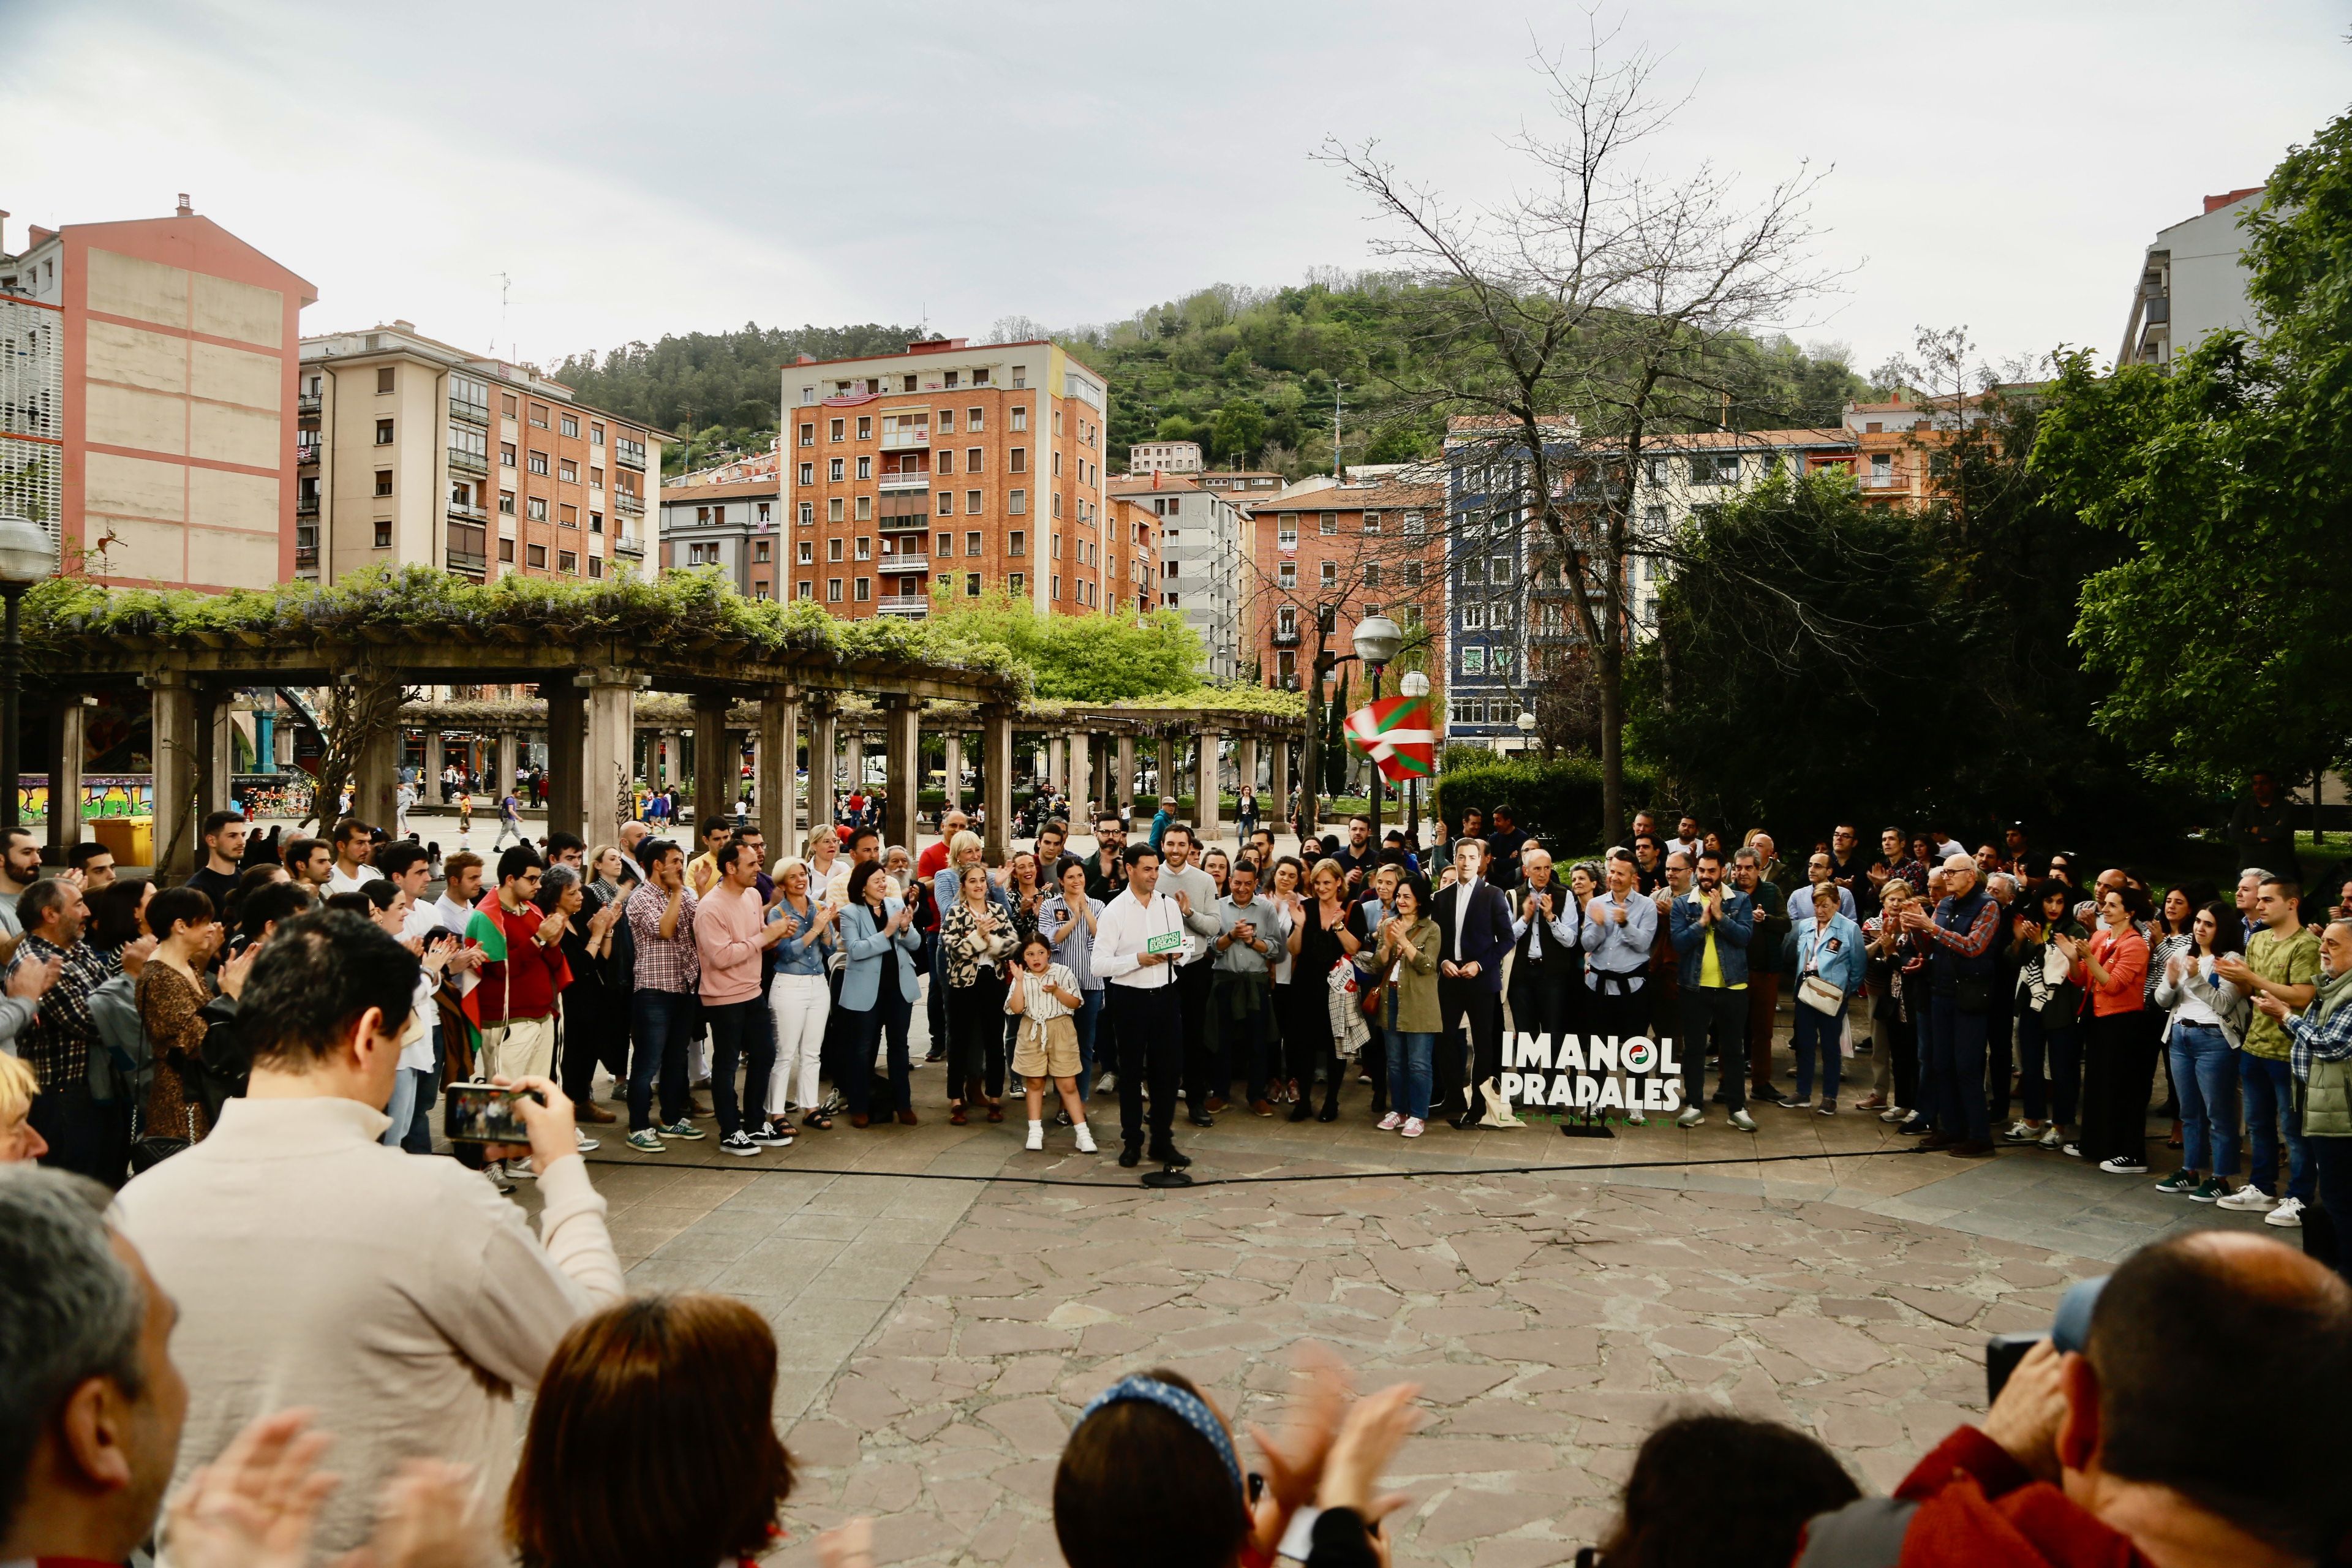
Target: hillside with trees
x,y
1248,372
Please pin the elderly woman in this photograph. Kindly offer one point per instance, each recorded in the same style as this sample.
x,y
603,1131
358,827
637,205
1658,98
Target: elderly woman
x,y
975,937
879,989
828,869
800,1001
19,1140
1831,966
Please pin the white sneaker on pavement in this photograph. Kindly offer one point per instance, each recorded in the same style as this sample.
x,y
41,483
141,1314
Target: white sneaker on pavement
x,y
2288,1216
1085,1138
2248,1199
1691,1117
1744,1122
1037,1137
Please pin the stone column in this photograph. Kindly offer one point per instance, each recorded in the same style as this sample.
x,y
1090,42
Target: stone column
x,y
1280,782
713,780
375,779
1245,762
1081,779
665,771
821,720
855,747
902,739
1123,770
174,725
69,730
1206,785
1057,762
1167,772
953,747
780,726
215,751
428,784
608,784
567,754
996,782
509,759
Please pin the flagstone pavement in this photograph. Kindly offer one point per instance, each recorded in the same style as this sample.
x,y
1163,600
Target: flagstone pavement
x,y
945,1302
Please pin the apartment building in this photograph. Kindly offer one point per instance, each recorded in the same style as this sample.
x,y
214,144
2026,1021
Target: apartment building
x,y
1241,484
416,452
735,525
1130,554
147,372
1204,548
953,468
1164,457
2192,282
1341,553
1682,476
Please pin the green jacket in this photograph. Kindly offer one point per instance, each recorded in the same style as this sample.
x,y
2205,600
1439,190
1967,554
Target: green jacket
x,y
1416,982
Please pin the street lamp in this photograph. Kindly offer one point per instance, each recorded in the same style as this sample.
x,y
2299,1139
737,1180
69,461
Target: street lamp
x,y
1526,723
26,557
1414,684
1377,640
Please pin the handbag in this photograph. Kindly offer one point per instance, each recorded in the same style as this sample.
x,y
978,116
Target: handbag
x,y
152,1149
1819,995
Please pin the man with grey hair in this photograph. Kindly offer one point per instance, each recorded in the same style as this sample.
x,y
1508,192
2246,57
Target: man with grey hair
x,y
91,1406
1959,995
2000,1017
2249,901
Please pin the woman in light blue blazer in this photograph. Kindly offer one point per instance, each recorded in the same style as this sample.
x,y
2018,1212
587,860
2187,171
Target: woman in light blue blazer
x,y
1827,944
878,987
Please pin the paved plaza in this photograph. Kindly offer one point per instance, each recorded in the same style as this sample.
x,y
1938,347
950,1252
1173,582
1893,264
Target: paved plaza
x,y
947,1301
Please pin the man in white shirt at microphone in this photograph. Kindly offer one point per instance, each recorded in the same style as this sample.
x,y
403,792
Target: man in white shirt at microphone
x,y
1139,941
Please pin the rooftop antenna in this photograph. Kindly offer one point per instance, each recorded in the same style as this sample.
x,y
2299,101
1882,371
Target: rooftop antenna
x,y
505,285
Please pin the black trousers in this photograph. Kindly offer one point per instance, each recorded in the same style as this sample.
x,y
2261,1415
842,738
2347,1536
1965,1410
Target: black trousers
x,y
1201,1070
2118,1074
1623,1016
1714,1017
88,1137
1151,1049
1539,996
2000,1027
1481,1006
976,1032
1241,1006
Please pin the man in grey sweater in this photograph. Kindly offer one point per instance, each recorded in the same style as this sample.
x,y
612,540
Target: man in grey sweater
x,y
1195,892
1250,927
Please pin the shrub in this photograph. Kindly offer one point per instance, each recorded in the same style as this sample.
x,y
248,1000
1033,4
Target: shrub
x,y
1557,800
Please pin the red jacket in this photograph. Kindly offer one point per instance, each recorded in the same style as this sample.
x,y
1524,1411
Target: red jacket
x,y
524,984
1966,1505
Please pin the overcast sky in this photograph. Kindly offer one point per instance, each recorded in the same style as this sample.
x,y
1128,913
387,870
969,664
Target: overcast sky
x,y
634,170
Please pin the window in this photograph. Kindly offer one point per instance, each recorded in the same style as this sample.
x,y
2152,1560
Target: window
x,y
1286,530
595,478
833,471
1501,618
1057,586
506,546
538,418
947,460
946,544
1020,411
808,435
539,462
971,460
972,585
567,471
1171,568
808,473
1327,619
1413,574
1017,460
507,411
971,544
832,589
567,516
1016,543
595,522
383,378
1017,503
862,590
1331,578
947,421
1330,523
1473,660
864,509
971,503
1413,525
596,569
947,503
384,481
567,561
1287,575
571,425
1372,573
506,503
865,548
832,550
1057,421
536,555
1285,620
1500,569
980,376
383,432
807,552
1058,547
383,533
1057,465
536,509
807,589
595,435
1018,581
972,417
808,514
866,427
864,468
1715,468
1474,618
763,512
836,431
949,379
1372,523
1057,503
832,510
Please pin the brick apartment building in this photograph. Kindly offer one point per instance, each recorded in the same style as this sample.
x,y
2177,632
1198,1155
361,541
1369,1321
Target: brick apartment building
x,y
414,451
147,373
1328,557
968,468
1130,553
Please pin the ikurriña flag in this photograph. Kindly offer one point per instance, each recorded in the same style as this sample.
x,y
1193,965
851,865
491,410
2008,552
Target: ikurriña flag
x,y
1396,734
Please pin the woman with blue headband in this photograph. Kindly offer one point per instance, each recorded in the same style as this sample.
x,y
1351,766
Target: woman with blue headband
x,y
1150,1478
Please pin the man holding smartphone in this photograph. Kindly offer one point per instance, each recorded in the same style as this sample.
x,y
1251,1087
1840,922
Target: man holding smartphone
x,y
522,972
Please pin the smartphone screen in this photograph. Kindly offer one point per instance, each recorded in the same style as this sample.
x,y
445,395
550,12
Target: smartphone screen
x,y
484,1113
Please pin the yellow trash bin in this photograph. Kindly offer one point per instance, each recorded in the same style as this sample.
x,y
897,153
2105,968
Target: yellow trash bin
x,y
131,838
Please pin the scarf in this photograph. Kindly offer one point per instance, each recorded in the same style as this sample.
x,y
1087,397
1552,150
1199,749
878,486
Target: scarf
x,y
2333,990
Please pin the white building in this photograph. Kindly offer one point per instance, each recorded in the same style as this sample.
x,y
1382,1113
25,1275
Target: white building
x,y
1164,457
1204,550
2192,282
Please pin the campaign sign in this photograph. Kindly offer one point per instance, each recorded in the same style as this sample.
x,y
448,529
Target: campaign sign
x,y
1592,1076
1166,941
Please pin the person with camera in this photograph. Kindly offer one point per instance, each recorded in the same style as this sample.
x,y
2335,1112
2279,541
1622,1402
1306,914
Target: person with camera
x,y
400,1300
1959,937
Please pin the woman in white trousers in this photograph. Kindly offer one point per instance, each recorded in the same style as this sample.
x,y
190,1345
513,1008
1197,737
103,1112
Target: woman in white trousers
x,y
799,999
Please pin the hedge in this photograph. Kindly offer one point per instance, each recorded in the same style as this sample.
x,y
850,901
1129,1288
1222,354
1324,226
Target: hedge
x,y
1557,800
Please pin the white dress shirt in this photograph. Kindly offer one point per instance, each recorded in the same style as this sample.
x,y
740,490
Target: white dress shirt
x,y
1120,935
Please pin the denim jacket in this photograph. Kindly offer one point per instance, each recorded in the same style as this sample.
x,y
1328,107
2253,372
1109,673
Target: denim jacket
x,y
801,953
1731,935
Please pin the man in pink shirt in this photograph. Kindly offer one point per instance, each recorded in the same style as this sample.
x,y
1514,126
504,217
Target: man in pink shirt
x,y
730,932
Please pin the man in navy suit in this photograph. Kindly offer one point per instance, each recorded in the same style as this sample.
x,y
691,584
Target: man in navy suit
x,y
1474,925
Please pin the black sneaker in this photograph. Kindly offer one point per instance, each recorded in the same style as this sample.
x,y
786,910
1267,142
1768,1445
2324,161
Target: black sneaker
x,y
738,1142
1167,1155
1131,1156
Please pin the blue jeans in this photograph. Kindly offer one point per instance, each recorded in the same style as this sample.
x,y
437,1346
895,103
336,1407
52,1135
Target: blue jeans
x,y
1410,1052
1818,1032
401,1109
1955,1070
2331,1163
2270,1105
2053,1096
1086,1018
2206,1081
417,1136
660,1025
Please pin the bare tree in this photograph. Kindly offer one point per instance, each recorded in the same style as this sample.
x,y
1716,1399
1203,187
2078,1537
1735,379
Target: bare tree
x,y
357,708
1583,324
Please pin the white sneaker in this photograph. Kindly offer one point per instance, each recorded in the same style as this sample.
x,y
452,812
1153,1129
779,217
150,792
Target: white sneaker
x,y
2288,1216
1635,1119
2248,1199
2053,1138
1390,1123
582,1141
1086,1139
520,1171
1037,1137
2022,1132
1893,1113
1691,1117
1744,1122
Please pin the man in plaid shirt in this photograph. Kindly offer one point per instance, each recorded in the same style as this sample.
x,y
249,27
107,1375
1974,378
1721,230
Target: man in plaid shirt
x,y
85,1136
2322,1032
1959,995
664,1006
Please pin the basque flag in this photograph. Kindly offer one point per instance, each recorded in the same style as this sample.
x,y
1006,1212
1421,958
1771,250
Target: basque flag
x,y
1396,735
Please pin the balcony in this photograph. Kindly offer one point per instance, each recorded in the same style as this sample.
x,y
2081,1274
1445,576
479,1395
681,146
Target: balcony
x,y
630,453
468,562
306,505
913,522
467,513
916,604
900,440
471,413
905,481
918,562
306,455
628,503
1285,638
464,462
306,555
307,402
1879,481
628,544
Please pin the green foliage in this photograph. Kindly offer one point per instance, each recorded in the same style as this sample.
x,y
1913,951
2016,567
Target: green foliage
x,y
2231,479
1557,800
727,380
1081,658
